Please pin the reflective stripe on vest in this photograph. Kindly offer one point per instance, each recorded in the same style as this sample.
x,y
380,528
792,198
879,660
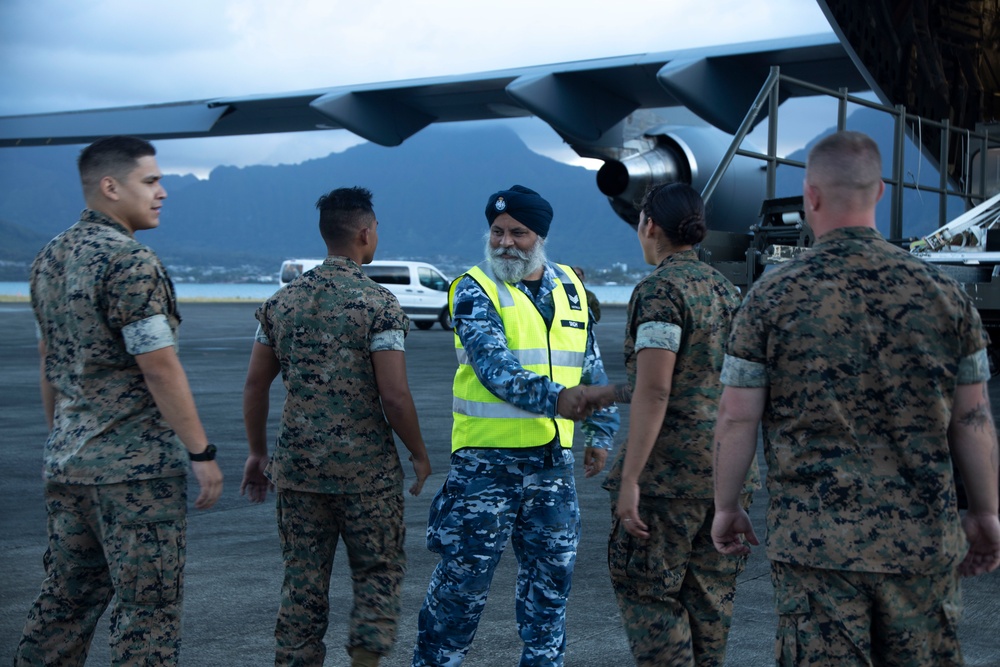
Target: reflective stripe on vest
x,y
483,420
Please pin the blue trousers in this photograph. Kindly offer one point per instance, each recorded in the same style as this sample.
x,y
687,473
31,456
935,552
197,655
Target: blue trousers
x,y
479,508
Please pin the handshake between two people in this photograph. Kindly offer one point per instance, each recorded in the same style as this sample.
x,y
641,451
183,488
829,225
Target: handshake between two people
x,y
579,402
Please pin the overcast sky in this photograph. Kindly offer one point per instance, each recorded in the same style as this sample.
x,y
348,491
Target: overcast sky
x,y
57,55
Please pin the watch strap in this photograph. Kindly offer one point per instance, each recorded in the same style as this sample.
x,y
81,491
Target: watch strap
x,y
207,455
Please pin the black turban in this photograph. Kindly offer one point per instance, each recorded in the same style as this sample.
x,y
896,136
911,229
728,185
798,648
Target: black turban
x,y
524,205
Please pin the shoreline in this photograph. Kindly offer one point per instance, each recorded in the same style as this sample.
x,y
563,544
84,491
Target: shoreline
x,y
24,298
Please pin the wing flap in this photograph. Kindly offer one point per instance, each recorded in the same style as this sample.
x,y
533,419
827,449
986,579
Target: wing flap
x,y
581,99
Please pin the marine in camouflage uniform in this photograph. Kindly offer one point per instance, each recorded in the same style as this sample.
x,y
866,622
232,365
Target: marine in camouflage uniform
x,y
592,301
115,487
497,491
858,357
335,464
674,590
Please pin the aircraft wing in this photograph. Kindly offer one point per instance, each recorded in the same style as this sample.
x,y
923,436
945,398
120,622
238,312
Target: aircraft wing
x,y
581,100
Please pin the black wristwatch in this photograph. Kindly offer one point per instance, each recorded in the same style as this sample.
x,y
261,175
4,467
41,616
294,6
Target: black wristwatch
x,y
207,455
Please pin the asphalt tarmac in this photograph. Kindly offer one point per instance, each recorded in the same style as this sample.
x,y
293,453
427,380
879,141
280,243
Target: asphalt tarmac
x,y
233,573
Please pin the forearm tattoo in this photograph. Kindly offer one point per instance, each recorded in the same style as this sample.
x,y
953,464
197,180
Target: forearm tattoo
x,y
623,393
979,417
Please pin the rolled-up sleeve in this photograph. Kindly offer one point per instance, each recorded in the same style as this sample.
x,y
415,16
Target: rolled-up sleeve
x,y
148,335
658,335
738,372
389,340
974,368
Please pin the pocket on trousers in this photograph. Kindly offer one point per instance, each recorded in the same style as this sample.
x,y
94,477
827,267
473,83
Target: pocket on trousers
x,y
638,567
151,563
791,610
441,528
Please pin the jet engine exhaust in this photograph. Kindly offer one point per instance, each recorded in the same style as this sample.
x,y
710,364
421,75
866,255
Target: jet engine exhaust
x,y
627,180
685,155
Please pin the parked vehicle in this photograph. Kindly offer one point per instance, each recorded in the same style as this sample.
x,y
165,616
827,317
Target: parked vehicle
x,y
293,268
421,288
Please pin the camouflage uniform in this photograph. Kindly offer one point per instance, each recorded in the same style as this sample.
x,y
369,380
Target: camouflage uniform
x,y
335,464
675,591
861,348
594,304
115,473
527,495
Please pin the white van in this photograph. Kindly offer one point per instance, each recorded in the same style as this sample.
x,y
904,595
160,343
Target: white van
x,y
422,290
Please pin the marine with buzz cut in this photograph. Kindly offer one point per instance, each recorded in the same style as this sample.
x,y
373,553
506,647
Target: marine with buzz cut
x,y
526,353
867,369
123,425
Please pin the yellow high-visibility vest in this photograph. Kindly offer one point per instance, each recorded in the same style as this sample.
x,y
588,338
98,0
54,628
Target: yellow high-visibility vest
x,y
483,420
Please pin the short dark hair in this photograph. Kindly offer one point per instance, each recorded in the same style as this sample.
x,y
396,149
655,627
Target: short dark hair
x,y
845,160
678,210
344,211
111,156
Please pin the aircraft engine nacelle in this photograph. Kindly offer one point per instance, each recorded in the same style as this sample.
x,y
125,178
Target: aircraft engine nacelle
x,y
687,155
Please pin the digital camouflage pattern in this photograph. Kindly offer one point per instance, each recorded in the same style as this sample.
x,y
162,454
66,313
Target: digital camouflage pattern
x,y
310,524
483,339
334,437
479,508
831,617
698,301
861,347
674,590
594,304
528,494
125,540
91,287
115,491
335,463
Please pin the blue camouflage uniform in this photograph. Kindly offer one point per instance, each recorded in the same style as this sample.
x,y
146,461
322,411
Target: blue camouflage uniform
x,y
525,494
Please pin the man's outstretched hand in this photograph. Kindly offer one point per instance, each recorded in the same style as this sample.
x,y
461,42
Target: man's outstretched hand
x,y
579,402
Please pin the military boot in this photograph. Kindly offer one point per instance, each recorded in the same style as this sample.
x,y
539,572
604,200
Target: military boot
x,y
361,657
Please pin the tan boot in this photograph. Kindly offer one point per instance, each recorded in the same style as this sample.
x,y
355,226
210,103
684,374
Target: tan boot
x,y
361,657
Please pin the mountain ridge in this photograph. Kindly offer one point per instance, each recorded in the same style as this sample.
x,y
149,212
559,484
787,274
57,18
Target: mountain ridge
x,y
429,196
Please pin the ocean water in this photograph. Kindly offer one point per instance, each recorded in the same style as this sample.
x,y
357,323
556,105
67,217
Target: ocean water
x,y
609,294
208,291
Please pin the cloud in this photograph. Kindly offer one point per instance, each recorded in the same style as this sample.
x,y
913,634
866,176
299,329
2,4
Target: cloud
x,y
125,52
65,54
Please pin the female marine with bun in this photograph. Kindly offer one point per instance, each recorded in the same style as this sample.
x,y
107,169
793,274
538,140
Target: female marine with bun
x,y
674,590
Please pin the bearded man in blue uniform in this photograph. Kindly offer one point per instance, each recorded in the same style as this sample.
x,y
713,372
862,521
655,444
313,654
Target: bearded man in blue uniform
x,y
526,350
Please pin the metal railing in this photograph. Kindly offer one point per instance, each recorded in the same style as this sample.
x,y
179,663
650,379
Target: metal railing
x,y
904,123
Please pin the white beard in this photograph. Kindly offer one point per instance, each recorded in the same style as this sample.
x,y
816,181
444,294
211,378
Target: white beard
x,y
511,265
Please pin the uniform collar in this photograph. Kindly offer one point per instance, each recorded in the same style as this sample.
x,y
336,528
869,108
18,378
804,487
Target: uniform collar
x,y
682,256
339,260
545,287
850,234
92,217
